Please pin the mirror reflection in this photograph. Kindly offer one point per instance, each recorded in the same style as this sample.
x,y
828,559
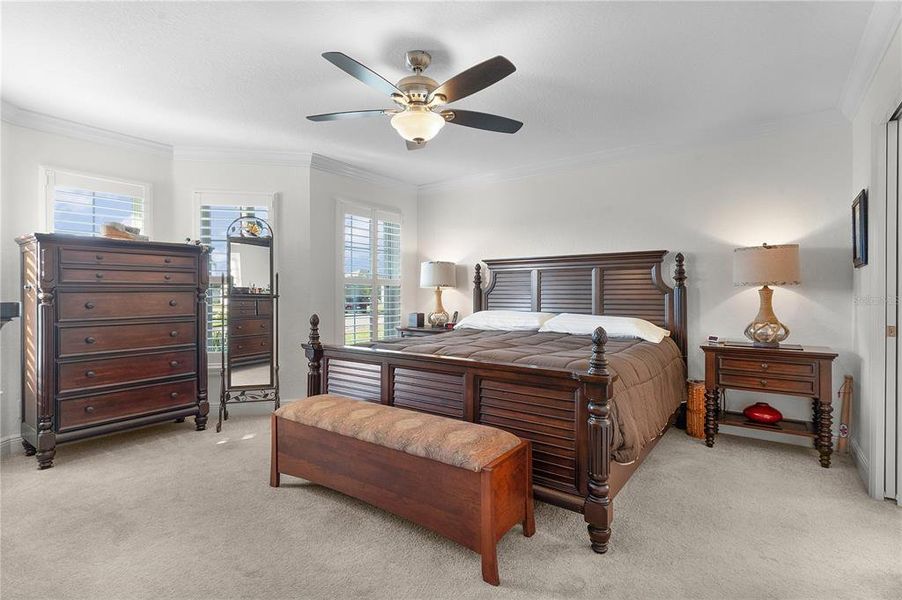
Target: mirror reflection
x,y
249,266
250,306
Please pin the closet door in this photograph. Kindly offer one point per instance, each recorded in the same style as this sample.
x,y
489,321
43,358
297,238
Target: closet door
x,y
893,410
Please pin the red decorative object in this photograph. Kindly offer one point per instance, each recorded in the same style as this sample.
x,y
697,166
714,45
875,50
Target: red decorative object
x,y
762,412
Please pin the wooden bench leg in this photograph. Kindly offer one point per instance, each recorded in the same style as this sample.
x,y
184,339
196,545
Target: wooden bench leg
x,y
529,519
274,476
487,541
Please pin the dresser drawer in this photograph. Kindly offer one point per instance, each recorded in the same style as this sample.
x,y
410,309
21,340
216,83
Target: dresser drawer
x,y
101,408
250,345
77,275
127,369
130,259
107,338
244,308
106,305
769,367
802,387
249,326
264,308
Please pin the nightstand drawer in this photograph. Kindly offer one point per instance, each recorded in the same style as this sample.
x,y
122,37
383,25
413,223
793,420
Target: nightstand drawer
x,y
801,387
769,367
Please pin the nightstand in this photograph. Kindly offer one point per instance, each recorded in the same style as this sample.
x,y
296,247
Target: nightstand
x,y
790,370
420,331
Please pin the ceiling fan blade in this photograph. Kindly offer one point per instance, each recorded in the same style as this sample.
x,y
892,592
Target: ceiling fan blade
x,y
479,120
350,114
415,146
474,79
361,72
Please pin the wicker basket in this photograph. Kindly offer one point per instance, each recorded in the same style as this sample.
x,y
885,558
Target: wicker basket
x,y
695,410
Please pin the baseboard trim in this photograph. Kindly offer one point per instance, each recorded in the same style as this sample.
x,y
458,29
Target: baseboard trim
x,y
861,461
7,444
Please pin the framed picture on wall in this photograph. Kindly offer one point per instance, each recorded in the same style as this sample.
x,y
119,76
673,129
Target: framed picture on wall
x,y
860,229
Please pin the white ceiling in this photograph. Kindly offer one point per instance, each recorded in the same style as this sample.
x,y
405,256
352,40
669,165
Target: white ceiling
x,y
591,77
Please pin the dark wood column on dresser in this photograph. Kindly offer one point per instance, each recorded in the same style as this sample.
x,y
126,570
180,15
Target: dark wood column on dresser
x,y
113,337
793,371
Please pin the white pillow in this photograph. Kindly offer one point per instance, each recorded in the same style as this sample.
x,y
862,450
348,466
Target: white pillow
x,y
504,320
614,326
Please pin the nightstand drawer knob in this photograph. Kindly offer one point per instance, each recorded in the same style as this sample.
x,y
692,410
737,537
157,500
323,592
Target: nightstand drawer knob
x,y
764,366
763,382
89,409
90,374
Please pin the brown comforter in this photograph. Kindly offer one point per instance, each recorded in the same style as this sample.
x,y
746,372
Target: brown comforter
x,y
650,388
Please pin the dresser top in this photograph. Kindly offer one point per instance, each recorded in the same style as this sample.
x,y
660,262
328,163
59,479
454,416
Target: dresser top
x,y
112,243
740,348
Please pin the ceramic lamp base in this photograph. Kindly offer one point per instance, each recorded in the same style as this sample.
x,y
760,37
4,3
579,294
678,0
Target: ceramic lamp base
x,y
439,317
766,330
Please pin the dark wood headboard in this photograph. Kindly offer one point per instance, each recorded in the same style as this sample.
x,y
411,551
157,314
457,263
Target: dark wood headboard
x,y
624,284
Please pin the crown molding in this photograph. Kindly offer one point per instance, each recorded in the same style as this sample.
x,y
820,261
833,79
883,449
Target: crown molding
x,y
41,122
343,169
826,118
882,24
285,158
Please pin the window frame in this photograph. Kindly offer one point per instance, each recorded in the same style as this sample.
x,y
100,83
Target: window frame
x,y
234,198
374,212
48,178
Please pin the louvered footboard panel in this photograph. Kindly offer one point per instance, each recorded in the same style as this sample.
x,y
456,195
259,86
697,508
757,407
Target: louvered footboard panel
x,y
543,416
354,379
426,391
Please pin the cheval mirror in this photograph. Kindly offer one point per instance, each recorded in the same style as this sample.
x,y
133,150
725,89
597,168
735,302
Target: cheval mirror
x,y
250,324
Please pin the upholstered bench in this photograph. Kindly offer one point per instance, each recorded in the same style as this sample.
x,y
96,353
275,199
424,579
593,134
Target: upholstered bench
x,y
467,482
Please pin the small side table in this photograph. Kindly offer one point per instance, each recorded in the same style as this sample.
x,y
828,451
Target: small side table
x,y
420,331
805,372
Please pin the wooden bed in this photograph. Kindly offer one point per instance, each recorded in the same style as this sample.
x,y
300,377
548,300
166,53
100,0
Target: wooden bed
x,y
580,474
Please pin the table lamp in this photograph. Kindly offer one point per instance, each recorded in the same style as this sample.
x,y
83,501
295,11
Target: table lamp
x,y
437,274
765,266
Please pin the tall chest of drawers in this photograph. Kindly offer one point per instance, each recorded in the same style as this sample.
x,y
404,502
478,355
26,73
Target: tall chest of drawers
x,y
113,337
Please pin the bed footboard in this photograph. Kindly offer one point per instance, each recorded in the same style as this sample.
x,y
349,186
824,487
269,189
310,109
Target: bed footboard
x,y
565,415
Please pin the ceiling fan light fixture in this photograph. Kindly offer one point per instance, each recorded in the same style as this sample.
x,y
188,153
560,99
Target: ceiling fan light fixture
x,y
417,124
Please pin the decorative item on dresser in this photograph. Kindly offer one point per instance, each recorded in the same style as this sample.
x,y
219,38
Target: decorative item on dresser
x,y
766,265
565,413
113,337
437,274
805,372
249,370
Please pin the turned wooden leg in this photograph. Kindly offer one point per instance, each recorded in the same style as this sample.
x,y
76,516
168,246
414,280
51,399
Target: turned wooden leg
x,y
29,449
599,536
711,406
45,458
825,433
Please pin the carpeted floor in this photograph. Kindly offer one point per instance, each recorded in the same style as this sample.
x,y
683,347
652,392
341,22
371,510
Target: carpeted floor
x,y
166,512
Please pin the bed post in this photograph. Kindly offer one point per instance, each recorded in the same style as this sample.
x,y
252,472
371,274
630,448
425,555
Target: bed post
x,y
679,306
314,351
597,388
477,289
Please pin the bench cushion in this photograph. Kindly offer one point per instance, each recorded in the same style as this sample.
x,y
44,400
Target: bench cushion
x,y
458,443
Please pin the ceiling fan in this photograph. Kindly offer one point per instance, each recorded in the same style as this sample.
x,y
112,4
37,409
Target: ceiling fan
x,y
420,114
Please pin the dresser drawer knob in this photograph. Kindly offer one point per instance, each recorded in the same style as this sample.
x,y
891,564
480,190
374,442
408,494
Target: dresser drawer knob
x,y
89,305
90,374
763,382
262,325
167,260
98,256
167,276
173,363
240,346
98,275
89,409
174,395
262,343
764,366
173,333
173,303
239,327
89,340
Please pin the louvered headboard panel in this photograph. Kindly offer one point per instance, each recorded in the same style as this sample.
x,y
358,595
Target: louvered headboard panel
x,y
626,284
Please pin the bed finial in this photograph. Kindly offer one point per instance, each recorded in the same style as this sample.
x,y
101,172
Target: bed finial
x,y
598,363
313,349
679,271
477,288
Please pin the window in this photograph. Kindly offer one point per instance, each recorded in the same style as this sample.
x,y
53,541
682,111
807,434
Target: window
x,y
371,274
216,210
80,204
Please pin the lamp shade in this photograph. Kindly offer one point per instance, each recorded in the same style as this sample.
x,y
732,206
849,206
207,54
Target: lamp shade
x,y
437,273
766,265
